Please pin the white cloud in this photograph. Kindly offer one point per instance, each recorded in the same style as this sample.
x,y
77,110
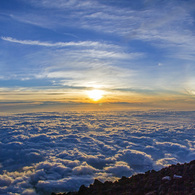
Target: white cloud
x,y
65,184
119,169
168,25
61,151
84,169
136,159
115,65
166,162
58,44
29,192
5,180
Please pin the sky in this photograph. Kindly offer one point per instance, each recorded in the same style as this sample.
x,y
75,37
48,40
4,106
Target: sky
x,y
137,54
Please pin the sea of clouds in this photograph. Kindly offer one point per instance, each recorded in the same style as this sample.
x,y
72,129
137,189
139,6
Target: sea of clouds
x,y
45,152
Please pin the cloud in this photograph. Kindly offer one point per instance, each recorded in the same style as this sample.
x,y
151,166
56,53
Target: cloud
x,y
135,37
119,169
70,184
29,192
55,151
84,169
160,24
58,44
136,159
87,62
166,162
5,180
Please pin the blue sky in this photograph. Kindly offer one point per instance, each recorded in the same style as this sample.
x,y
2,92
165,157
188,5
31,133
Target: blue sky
x,y
133,50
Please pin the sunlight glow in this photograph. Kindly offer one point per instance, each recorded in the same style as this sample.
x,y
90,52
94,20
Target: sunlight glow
x,y
95,94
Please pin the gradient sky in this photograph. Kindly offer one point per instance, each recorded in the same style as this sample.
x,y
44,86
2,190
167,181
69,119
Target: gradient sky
x,y
140,53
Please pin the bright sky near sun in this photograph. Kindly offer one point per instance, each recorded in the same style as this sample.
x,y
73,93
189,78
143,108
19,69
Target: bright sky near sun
x,y
96,51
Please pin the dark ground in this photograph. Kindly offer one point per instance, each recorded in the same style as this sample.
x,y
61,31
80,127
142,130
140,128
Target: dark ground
x,y
181,181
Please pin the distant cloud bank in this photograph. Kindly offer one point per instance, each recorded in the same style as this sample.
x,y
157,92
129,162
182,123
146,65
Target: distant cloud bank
x,y
45,152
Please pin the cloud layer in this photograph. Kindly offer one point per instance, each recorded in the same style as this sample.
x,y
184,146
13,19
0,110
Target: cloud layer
x,y
46,152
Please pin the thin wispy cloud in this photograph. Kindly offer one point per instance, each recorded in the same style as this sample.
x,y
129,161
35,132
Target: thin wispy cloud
x,y
96,62
161,26
47,44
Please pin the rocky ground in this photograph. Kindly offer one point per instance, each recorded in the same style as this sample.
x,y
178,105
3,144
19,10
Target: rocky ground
x,y
174,180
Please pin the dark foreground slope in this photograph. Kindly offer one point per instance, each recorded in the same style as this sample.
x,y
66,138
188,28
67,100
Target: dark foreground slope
x,y
174,180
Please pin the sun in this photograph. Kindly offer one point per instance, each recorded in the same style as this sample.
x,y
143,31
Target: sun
x,y
95,94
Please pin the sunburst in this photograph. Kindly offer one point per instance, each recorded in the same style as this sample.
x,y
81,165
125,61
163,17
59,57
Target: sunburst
x,y
95,94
